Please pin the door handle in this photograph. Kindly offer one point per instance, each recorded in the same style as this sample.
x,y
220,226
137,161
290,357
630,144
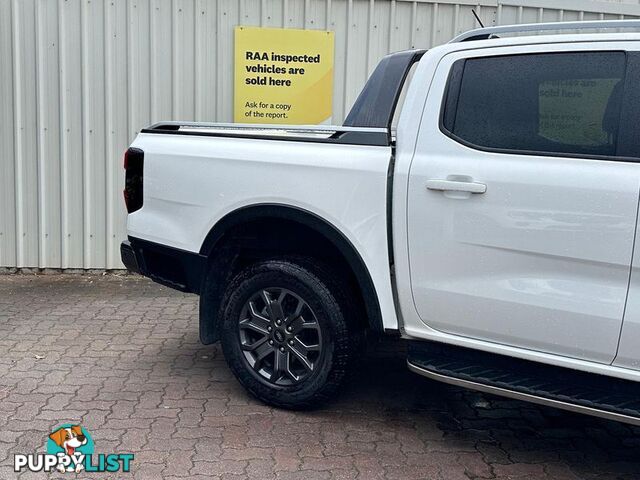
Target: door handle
x,y
456,186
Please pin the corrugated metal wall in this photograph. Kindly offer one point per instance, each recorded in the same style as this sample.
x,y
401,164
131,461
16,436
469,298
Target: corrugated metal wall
x,y
79,78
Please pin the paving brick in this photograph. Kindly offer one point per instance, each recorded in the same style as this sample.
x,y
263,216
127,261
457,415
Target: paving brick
x,y
303,475
219,467
178,463
130,368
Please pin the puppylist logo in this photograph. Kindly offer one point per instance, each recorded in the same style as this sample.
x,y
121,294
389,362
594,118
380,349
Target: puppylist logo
x,y
70,448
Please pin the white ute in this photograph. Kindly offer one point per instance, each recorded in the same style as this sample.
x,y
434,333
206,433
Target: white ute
x,y
494,229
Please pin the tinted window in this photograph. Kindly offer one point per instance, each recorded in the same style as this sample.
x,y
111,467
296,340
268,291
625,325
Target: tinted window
x,y
556,103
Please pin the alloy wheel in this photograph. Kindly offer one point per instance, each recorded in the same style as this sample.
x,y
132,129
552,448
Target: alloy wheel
x,y
280,336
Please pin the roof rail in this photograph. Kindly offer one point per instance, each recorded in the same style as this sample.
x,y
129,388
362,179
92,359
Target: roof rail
x,y
489,32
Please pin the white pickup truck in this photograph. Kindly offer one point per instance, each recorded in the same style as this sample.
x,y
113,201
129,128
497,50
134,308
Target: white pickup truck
x,y
494,229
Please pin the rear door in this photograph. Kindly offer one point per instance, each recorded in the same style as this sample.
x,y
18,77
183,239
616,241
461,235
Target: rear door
x,y
521,211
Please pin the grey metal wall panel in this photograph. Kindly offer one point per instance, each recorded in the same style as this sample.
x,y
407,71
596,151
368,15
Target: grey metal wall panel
x,y
117,129
48,133
70,100
7,157
79,78
23,14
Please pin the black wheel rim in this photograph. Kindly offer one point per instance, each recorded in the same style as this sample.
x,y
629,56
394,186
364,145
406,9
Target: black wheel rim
x,y
280,336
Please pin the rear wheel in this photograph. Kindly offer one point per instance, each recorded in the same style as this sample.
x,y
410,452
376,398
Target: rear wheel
x,y
286,334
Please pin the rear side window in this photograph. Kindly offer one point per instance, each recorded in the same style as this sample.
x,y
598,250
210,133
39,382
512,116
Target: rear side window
x,y
538,103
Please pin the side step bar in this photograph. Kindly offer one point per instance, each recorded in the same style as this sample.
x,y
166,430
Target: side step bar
x,y
563,388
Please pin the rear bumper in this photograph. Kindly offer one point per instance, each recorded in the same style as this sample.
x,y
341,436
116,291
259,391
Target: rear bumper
x,y
128,256
169,266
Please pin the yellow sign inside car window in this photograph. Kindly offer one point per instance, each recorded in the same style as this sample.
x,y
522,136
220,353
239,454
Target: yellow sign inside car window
x,y
283,75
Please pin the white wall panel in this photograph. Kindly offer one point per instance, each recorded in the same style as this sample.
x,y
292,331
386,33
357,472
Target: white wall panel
x,y
23,15
71,170
79,79
7,152
92,72
48,125
117,121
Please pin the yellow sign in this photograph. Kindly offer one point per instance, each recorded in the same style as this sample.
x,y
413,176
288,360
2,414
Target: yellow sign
x,y
283,75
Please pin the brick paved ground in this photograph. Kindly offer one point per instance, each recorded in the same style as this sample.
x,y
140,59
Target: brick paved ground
x,y
121,356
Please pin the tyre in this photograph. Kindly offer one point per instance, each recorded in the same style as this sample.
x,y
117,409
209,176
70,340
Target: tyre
x,y
285,333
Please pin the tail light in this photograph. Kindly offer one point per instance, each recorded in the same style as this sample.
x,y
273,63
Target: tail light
x,y
133,167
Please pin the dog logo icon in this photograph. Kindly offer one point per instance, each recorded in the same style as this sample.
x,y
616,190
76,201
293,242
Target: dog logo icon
x,y
70,439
